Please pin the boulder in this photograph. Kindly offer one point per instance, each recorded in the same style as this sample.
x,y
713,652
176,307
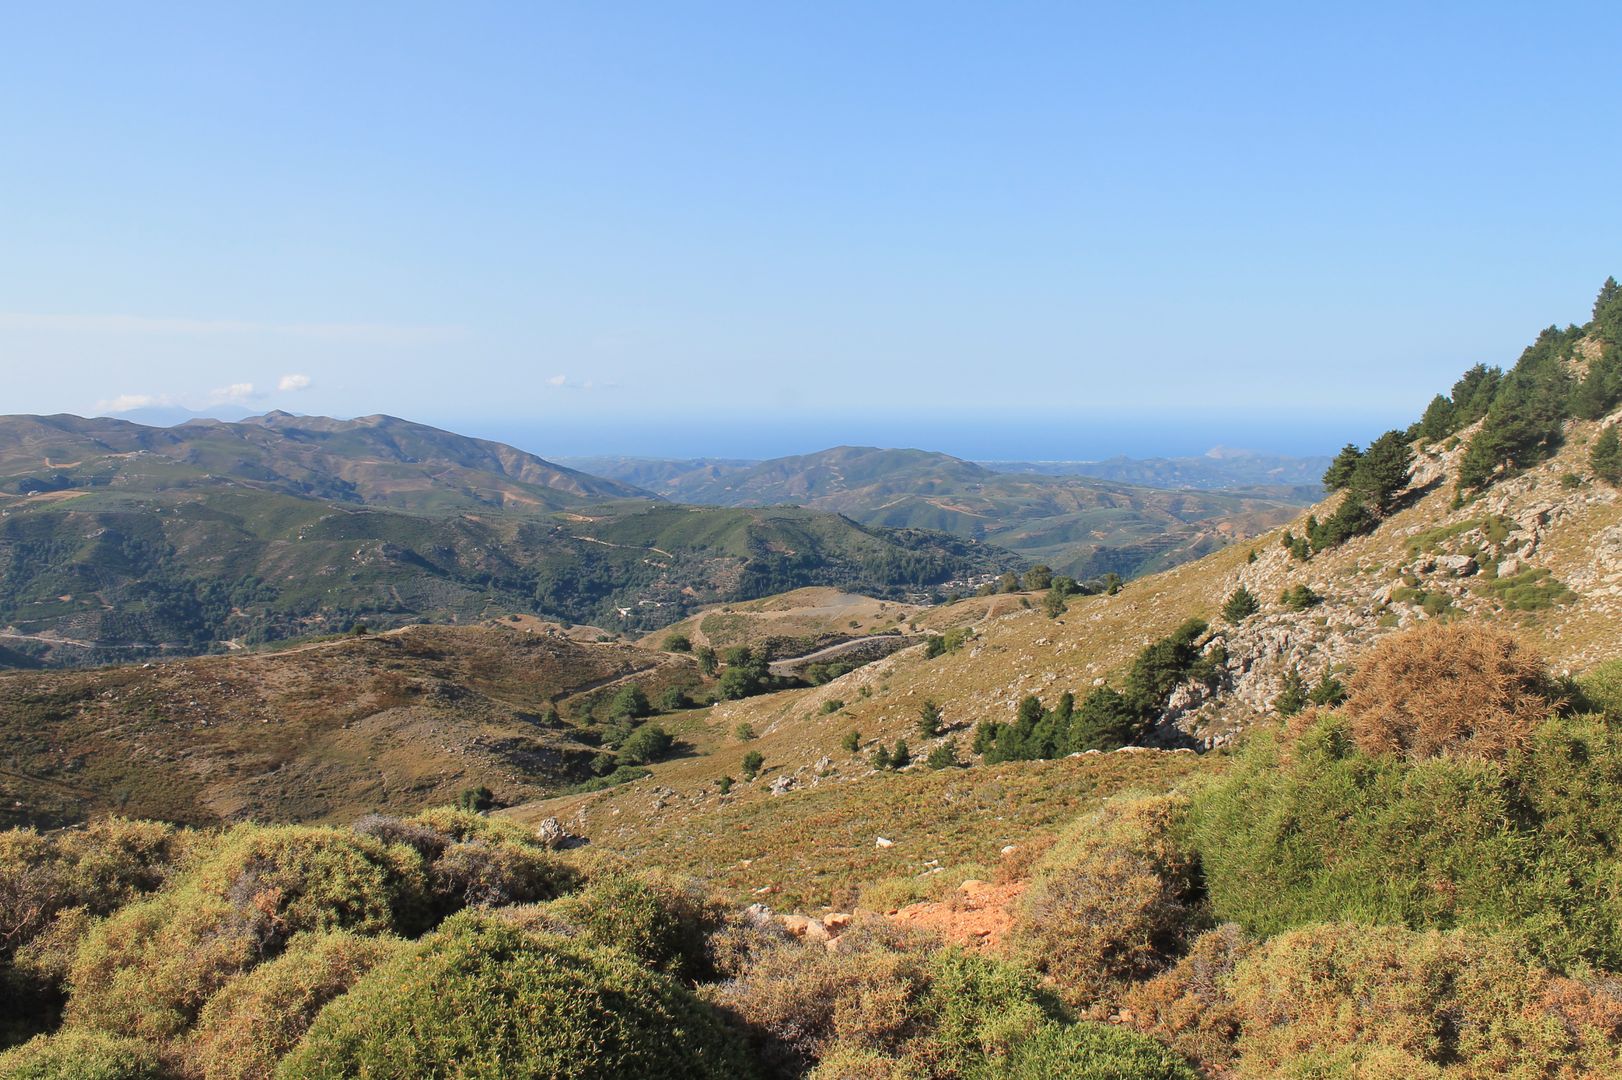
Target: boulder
x,y
554,837
804,927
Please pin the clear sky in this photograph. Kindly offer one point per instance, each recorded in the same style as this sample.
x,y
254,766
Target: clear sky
x,y
690,227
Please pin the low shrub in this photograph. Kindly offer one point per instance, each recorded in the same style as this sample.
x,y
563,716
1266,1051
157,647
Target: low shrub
x,y
1187,1006
1345,1000
884,1005
1601,689
97,868
663,921
82,1055
1112,902
1314,830
481,861
148,969
1462,689
256,1019
482,998
1094,1052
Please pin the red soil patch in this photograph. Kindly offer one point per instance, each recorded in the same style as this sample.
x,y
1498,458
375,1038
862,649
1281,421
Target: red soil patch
x,y
976,916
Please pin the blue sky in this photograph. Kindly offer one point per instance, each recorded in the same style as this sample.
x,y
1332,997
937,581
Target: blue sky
x,y
668,226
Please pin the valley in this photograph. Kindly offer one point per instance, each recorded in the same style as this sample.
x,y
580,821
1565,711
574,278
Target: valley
x,y
1079,525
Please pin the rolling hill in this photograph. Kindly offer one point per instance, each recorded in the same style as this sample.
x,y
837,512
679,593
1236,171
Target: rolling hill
x,y
390,721
1079,526
119,541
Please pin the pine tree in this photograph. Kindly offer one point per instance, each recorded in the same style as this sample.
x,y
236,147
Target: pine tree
x,y
944,756
1606,457
1293,697
1438,420
929,720
1327,691
1241,605
1339,473
1382,472
1053,603
900,757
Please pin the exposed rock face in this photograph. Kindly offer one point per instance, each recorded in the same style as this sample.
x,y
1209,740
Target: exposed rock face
x,y
1431,559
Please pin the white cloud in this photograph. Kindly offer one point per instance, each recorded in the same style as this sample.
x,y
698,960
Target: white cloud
x,y
236,394
558,380
365,333
294,382
126,402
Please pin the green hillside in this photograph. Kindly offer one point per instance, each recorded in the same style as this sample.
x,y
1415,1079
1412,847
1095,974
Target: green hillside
x,y
1079,526
97,575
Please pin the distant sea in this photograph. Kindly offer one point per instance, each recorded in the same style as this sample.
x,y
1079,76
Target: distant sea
x,y
1080,437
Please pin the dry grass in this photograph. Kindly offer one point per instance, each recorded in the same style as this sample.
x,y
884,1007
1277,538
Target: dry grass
x,y
1451,688
815,847
395,721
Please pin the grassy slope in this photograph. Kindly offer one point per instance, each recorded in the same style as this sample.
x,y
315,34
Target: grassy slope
x,y
807,616
324,731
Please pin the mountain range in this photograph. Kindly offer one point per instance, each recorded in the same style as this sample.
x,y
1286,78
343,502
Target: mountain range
x,y
1077,525
120,541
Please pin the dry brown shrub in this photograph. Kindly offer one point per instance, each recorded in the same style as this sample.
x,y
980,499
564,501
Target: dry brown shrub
x,y
1188,1007
801,999
1455,688
1342,999
1112,901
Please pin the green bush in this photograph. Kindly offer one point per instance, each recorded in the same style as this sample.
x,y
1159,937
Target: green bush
x,y
1602,689
664,922
1300,598
149,968
647,744
98,868
82,1055
256,1019
481,998
1316,831
52,885
1240,605
1094,1052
